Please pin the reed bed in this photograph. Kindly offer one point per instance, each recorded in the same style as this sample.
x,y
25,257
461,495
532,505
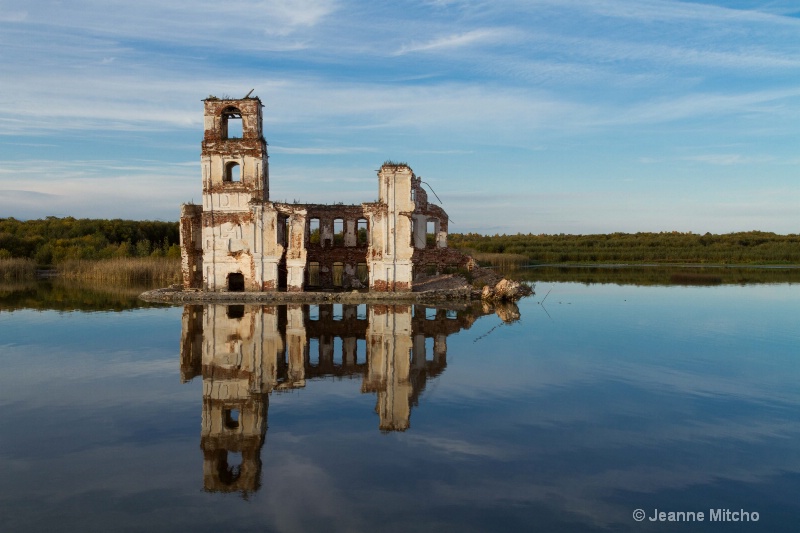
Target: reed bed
x,y
159,271
71,295
501,260
17,269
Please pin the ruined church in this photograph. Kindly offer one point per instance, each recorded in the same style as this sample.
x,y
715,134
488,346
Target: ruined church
x,y
239,240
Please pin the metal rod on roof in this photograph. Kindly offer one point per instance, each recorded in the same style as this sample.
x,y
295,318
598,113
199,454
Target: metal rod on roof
x,y
436,195
434,192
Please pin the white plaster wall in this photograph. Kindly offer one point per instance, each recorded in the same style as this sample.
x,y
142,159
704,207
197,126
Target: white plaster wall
x,y
296,254
225,250
393,265
227,201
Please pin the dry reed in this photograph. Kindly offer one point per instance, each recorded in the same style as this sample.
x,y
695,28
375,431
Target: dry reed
x,y
128,270
16,269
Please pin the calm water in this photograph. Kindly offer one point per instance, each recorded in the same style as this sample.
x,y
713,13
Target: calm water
x,y
602,400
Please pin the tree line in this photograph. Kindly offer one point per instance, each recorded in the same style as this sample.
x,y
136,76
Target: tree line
x,y
53,240
666,247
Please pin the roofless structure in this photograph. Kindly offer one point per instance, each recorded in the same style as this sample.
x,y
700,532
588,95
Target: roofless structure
x,y
239,240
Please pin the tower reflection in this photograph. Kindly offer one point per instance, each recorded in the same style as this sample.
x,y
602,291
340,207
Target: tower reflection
x,y
246,352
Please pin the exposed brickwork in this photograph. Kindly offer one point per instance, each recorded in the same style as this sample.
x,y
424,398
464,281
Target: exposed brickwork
x,y
219,218
380,286
191,246
439,261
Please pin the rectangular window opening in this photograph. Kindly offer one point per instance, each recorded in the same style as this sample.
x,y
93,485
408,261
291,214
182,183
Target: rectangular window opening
x,y
313,231
338,232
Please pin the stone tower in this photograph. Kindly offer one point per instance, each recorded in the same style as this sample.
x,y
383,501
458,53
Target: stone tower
x,y
234,155
391,250
232,242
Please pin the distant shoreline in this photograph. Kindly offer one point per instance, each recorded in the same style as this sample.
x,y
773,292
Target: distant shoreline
x,y
742,248
167,270
659,265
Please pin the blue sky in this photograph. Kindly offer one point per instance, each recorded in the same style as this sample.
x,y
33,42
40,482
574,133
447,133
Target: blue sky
x,y
541,116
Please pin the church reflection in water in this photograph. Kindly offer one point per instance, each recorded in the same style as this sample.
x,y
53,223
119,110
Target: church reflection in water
x,y
246,352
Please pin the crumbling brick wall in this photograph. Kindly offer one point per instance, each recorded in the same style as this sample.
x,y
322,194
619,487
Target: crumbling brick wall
x,y
191,238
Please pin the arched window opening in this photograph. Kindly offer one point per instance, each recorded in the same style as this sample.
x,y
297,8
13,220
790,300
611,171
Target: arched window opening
x,y
231,123
233,172
313,231
236,282
362,232
338,231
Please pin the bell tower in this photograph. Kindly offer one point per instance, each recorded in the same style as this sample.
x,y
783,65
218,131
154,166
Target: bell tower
x,y
234,154
238,241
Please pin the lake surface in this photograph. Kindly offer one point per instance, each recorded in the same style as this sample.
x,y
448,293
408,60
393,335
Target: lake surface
x,y
586,403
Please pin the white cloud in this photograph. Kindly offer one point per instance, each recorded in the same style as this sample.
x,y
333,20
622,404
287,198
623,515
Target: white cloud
x,y
292,14
457,447
460,40
692,105
648,11
96,189
728,159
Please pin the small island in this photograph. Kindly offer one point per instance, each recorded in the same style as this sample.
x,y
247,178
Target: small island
x,y
240,246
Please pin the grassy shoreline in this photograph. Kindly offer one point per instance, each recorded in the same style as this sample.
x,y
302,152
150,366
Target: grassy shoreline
x,y
92,288
121,271
17,269
127,270
746,248
162,271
